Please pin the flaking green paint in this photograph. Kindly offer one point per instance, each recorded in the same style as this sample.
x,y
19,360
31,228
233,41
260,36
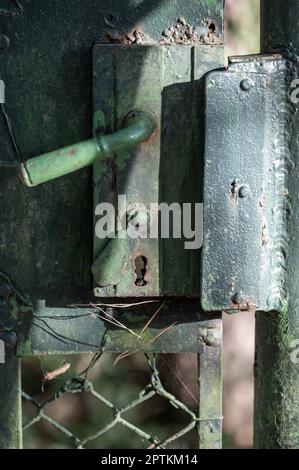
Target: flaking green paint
x,y
99,122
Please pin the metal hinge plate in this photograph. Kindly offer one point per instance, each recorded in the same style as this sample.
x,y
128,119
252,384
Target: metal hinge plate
x,y
249,125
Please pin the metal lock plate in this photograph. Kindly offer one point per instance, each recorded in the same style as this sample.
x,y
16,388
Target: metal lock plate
x,y
163,80
247,163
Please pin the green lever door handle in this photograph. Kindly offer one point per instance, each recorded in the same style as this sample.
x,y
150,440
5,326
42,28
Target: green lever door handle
x,y
139,128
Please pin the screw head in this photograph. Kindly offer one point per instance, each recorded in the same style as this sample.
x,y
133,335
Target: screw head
x,y
246,84
244,191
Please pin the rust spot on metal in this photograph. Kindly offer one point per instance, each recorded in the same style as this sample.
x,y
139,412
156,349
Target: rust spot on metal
x,y
262,202
152,137
70,153
265,238
212,35
242,303
181,33
185,33
136,36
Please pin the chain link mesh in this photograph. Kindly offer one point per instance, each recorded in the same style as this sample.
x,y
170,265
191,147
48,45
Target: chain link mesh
x,y
81,384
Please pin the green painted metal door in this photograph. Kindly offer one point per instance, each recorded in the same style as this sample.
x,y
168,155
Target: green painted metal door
x,y
72,72
228,138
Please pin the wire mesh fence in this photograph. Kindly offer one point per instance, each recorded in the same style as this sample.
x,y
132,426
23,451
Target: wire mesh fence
x,y
118,415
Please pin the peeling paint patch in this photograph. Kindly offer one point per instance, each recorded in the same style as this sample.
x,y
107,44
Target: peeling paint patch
x,y
185,33
136,36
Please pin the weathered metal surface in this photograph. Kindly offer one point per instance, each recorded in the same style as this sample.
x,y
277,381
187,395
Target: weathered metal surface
x,y
69,331
246,201
74,157
210,385
134,174
167,169
10,407
46,233
10,372
279,26
277,333
45,236
183,109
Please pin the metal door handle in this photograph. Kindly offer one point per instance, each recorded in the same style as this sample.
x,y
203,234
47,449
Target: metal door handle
x,y
139,126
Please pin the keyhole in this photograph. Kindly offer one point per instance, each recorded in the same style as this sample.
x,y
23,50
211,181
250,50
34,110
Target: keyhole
x,y
212,27
140,270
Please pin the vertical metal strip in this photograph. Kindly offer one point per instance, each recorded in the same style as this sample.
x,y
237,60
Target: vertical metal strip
x,y
210,385
277,333
10,403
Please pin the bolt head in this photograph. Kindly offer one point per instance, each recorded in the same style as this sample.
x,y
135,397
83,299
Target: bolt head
x,y
246,84
244,191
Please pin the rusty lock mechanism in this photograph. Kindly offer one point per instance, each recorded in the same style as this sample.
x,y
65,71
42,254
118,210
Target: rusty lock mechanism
x,y
241,264
137,154
127,144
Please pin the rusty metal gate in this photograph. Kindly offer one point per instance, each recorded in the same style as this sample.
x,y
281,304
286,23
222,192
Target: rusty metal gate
x,y
141,85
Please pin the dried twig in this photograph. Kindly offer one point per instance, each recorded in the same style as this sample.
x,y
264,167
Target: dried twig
x,y
128,354
180,379
135,304
114,321
152,318
48,376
